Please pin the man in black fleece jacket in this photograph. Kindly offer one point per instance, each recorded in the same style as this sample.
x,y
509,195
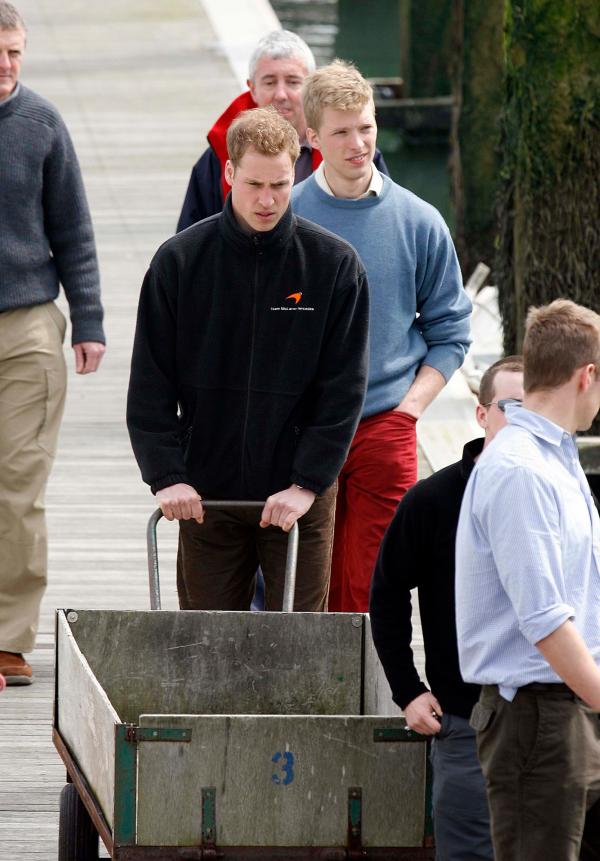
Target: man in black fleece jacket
x,y
248,376
418,552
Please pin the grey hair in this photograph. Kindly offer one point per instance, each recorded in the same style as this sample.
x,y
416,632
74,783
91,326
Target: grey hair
x,y
10,18
280,45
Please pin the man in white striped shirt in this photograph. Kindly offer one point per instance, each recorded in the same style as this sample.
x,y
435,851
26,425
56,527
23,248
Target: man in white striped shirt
x,y
528,601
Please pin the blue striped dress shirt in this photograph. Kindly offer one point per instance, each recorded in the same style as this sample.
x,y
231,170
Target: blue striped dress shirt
x,y
527,554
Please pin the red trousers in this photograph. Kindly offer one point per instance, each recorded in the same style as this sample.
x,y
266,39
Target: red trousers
x,y
380,468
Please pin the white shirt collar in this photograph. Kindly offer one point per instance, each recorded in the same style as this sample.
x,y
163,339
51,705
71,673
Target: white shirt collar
x,y
374,189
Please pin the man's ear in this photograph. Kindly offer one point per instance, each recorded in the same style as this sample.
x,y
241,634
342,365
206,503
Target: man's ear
x,y
229,171
585,376
250,85
481,416
313,138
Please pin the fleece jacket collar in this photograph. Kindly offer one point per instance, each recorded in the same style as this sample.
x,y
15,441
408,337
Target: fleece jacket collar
x,y
269,239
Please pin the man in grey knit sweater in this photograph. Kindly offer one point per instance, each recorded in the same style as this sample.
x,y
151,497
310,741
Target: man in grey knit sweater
x,y
46,239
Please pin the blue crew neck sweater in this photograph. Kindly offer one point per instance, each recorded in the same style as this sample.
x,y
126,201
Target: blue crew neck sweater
x,y
412,269
46,235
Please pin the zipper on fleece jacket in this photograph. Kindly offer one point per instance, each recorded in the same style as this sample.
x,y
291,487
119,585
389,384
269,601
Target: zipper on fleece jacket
x,y
258,253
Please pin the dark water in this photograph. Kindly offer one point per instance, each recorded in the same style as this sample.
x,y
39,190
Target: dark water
x,y
417,164
315,20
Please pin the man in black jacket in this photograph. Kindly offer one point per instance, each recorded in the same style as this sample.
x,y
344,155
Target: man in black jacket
x,y
248,377
418,552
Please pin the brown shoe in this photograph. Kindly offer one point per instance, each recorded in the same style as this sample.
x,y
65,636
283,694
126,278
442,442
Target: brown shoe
x,y
15,669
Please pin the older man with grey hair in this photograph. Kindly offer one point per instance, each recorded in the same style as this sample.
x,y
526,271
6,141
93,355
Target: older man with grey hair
x,y
277,69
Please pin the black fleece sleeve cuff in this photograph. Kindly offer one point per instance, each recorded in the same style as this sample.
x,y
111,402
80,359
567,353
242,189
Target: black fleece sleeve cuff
x,y
405,695
308,483
167,481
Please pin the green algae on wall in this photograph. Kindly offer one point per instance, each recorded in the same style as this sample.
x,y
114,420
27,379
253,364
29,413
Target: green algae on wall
x,y
549,212
478,90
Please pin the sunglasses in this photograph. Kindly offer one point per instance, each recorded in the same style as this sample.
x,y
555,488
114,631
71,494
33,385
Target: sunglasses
x,y
503,403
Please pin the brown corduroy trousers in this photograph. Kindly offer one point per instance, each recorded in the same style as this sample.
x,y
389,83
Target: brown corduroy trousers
x,y
218,559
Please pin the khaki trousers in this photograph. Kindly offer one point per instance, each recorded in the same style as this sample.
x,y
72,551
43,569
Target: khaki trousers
x,y
217,560
33,381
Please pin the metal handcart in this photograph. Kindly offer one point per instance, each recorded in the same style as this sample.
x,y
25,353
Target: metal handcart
x,y
232,735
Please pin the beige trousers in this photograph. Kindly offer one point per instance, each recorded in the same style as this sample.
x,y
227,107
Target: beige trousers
x,y
33,381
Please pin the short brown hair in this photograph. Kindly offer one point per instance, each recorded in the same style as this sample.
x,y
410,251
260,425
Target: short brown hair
x,y
10,18
559,338
340,86
514,364
266,131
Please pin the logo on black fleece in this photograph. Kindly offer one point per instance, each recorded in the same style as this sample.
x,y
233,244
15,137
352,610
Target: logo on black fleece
x,y
295,299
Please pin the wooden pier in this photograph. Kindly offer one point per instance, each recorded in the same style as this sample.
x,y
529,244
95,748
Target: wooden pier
x,y
138,84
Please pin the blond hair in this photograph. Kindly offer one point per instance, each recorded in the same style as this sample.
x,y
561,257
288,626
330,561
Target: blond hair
x,y
559,338
340,86
264,130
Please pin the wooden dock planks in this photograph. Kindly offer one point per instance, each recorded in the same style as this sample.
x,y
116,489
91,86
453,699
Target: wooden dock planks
x,y
138,85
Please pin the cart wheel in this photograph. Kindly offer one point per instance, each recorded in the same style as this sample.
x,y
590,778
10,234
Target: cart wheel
x,y
77,835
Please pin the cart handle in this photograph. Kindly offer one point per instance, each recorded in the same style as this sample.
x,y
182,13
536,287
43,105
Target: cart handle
x,y
291,561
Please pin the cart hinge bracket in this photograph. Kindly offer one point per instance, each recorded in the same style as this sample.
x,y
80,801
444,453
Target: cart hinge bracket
x,y
136,734
209,823
392,734
355,847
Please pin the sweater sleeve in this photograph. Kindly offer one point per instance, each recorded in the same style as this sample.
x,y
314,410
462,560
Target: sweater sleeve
x,y
152,399
396,572
203,196
339,387
68,226
443,305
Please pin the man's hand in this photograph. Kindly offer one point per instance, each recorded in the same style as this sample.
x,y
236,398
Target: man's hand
x,y
286,507
419,714
425,387
88,355
180,502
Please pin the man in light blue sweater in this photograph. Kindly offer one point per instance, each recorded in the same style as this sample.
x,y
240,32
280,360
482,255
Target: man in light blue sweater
x,y
419,326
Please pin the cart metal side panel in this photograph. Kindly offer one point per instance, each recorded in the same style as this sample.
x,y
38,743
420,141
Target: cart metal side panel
x,y
378,696
224,662
86,719
273,780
